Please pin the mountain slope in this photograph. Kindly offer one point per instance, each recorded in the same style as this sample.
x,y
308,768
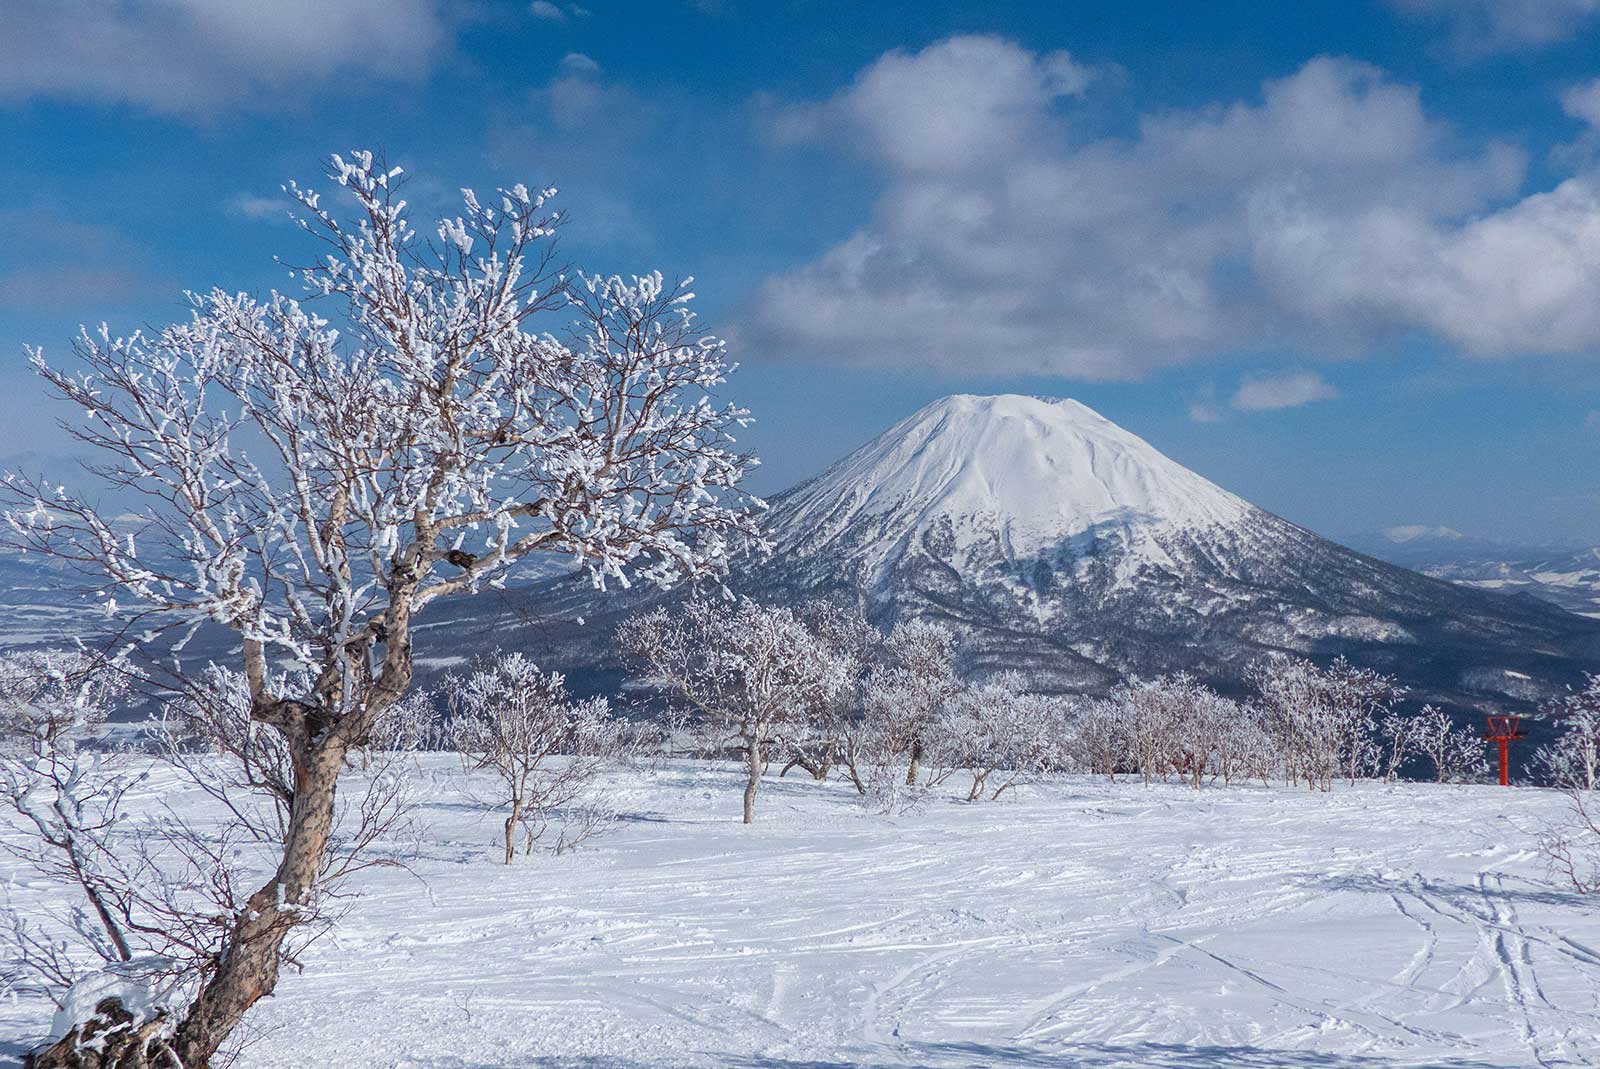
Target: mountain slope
x,y
1059,542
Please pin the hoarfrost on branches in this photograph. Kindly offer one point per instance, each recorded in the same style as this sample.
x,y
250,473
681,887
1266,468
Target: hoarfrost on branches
x,y
544,748
753,671
313,474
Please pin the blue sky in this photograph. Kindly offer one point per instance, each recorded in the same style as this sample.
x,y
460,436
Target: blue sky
x,y
1342,258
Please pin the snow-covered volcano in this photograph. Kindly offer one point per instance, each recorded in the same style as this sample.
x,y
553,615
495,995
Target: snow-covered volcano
x,y
1062,544
1058,543
1013,475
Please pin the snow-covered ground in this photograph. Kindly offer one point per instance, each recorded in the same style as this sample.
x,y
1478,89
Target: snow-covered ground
x,y
1080,924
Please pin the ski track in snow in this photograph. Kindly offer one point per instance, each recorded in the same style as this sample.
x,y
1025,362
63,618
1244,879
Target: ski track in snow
x,y
1082,924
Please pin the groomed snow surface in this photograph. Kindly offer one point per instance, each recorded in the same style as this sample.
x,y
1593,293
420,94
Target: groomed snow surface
x,y
1080,924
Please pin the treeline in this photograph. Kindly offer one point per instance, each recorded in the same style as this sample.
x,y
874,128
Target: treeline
x,y
819,688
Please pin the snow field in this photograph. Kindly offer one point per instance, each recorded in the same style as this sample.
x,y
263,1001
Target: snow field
x,y
1079,924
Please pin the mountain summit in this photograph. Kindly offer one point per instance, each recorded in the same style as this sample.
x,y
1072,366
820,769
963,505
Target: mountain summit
x,y
1010,475
1057,542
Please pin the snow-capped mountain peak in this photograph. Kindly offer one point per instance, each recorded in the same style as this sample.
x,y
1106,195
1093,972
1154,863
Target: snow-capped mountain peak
x,y
1415,532
1037,473
1056,542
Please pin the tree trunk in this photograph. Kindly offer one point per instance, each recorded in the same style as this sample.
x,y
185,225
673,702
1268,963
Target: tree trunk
x,y
108,1040
249,970
511,829
916,763
753,781
852,762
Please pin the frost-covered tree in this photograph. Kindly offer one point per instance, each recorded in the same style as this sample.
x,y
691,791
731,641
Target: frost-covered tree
x,y
751,670
1324,718
999,733
907,692
1456,753
1573,760
831,735
1150,715
1099,740
1176,725
1398,737
544,747
313,479
1572,763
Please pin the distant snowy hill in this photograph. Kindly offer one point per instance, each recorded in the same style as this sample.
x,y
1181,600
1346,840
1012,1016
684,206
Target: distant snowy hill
x,y
1057,542
1564,575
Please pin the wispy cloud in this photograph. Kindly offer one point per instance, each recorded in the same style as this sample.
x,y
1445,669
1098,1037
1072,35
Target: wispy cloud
x,y
255,206
1291,389
198,58
1204,406
1482,26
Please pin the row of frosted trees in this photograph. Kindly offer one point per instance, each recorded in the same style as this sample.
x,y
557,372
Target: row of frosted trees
x,y
819,688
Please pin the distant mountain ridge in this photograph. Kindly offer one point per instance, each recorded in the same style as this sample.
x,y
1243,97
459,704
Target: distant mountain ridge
x,y
1567,574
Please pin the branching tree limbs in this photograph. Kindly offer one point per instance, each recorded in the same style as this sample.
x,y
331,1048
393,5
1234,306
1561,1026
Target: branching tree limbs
x,y
751,669
314,484
544,748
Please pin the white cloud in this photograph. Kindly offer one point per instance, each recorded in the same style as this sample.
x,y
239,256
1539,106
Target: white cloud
x,y
579,98
196,57
1327,214
544,9
1489,25
255,206
1203,406
1290,389
955,104
1583,102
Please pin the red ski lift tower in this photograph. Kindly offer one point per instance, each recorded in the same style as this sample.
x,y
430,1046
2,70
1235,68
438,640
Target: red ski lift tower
x,y
1504,730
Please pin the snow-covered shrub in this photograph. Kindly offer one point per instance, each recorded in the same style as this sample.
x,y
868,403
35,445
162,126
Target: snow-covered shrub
x,y
1098,741
154,896
1573,760
1572,763
54,705
1171,726
834,733
1398,736
1324,718
998,733
1572,847
545,749
1456,754
904,696
1243,748
749,670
